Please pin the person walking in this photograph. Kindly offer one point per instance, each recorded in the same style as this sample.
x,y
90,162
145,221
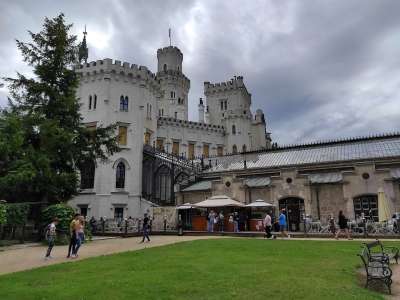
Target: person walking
x,y
50,236
236,222
283,224
211,220
80,234
221,221
268,226
146,227
72,234
332,227
343,227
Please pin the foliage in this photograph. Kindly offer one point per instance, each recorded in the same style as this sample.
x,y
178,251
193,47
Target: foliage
x,y
17,213
204,269
3,214
63,212
42,138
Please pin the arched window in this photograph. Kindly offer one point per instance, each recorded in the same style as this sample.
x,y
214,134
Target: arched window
x,y
90,102
233,129
165,67
163,185
123,103
95,102
120,176
87,175
244,148
234,149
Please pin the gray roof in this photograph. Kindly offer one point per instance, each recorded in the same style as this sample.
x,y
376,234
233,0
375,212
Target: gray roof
x,y
198,186
338,151
325,177
257,181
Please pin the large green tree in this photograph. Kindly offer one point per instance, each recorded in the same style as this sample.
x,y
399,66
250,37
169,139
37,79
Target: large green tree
x,y
43,141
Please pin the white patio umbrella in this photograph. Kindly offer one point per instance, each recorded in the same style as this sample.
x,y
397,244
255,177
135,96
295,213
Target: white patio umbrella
x,y
185,206
384,211
259,203
219,201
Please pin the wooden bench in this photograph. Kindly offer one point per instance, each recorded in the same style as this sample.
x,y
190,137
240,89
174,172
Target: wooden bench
x,y
377,270
377,252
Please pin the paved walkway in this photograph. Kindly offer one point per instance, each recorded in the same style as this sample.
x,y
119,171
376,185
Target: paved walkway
x,y
24,258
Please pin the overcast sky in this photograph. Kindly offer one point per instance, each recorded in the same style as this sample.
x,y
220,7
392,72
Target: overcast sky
x,y
318,69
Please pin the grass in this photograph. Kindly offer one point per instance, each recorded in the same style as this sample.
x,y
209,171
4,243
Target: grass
x,y
204,269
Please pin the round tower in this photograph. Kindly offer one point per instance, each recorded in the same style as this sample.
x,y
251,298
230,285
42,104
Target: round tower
x,y
174,84
169,58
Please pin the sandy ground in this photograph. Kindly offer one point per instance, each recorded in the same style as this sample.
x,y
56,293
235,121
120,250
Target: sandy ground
x,y
19,259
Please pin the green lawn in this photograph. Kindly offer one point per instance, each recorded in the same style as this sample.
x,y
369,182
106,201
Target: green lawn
x,y
204,269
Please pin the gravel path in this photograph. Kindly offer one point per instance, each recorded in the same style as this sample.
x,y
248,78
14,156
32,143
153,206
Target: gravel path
x,y
33,257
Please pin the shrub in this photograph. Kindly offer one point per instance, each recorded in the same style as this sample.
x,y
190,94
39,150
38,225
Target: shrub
x,y
3,214
16,213
65,214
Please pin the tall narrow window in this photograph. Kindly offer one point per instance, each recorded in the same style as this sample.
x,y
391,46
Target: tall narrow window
x,y
159,112
122,135
165,67
118,214
123,103
176,115
222,105
226,104
95,102
206,150
87,174
233,129
162,112
90,102
175,148
220,150
191,151
234,149
120,176
244,148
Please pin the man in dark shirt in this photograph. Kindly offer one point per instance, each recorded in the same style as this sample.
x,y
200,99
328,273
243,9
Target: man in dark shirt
x,y
146,221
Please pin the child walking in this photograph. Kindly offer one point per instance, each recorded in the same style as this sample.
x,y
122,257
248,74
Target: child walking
x,y
51,237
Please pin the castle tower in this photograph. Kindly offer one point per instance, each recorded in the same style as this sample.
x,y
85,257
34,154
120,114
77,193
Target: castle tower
x,y
174,84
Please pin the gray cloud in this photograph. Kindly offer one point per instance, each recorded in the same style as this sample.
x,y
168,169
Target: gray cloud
x,y
318,69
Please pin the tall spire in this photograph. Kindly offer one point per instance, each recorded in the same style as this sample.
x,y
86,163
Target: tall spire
x,y
83,49
169,34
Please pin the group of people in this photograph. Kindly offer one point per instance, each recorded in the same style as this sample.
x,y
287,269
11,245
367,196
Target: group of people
x,y
282,222
218,219
76,236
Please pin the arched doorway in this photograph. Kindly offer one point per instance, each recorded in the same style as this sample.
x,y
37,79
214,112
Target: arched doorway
x,y
294,207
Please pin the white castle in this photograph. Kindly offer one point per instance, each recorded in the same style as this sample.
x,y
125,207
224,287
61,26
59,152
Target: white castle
x,y
152,109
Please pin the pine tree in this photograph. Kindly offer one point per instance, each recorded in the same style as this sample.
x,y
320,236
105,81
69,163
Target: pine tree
x,y
43,141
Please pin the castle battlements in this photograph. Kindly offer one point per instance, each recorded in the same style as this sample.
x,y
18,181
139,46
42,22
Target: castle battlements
x,y
169,49
174,75
132,72
162,121
233,84
108,65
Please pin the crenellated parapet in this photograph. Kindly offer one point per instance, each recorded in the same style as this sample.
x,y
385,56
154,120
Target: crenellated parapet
x,y
115,69
190,124
235,83
174,76
169,50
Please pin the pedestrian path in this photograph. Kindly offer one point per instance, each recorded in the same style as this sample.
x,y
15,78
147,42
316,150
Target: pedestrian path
x,y
24,258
